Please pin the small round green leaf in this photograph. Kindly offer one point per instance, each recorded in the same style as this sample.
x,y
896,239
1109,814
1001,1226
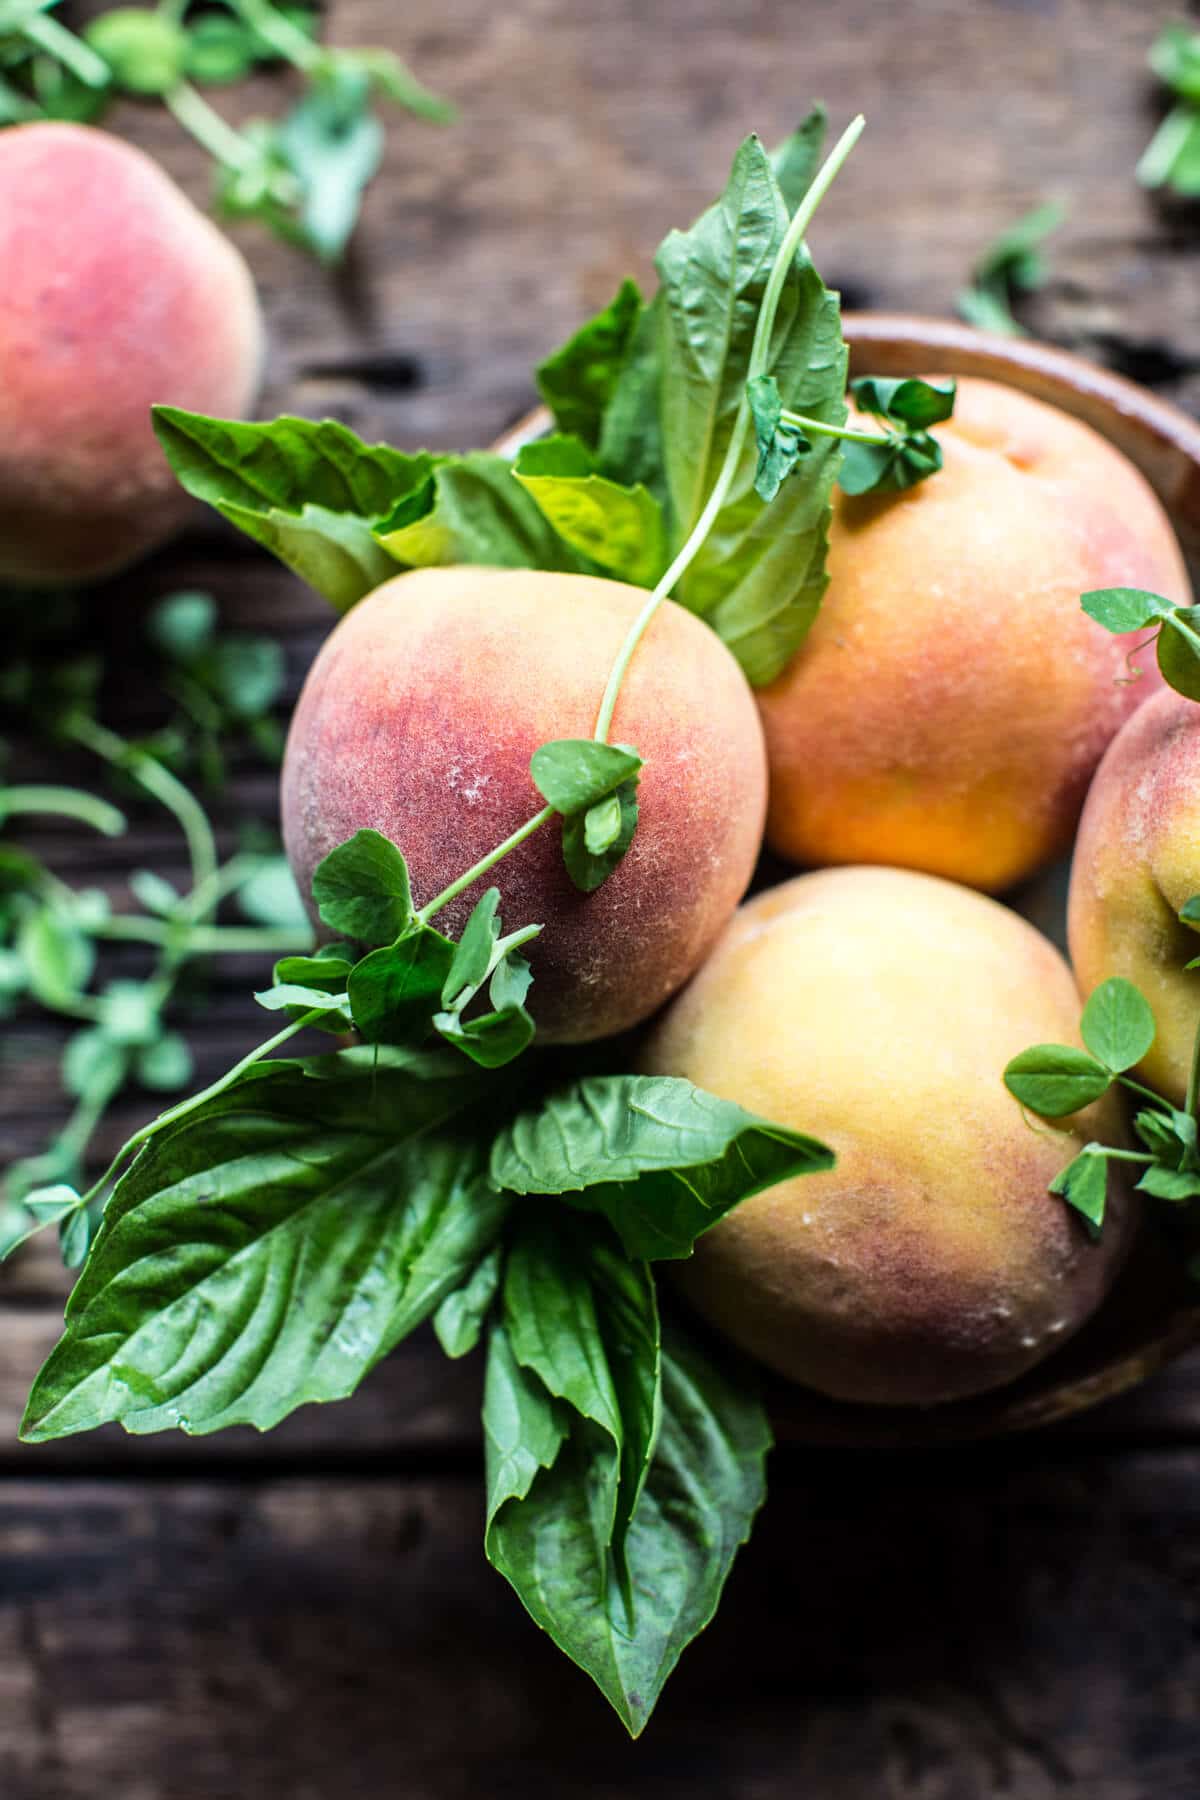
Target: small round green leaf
x,y
1124,609
1117,1024
1056,1079
146,52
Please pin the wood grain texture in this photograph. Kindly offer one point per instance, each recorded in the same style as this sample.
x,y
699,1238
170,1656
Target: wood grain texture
x,y
307,1616
919,1632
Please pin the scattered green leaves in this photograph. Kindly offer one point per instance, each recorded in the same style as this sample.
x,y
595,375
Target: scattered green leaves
x,y
1172,157
1011,266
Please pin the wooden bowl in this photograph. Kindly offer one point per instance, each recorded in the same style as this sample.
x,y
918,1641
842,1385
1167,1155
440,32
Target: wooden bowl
x,y
1152,1314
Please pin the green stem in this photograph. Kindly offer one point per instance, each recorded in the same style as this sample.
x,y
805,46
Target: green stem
x,y
185,1107
158,781
1137,1156
202,940
759,353
67,49
801,422
484,864
1136,1087
68,803
1193,1086
277,30
208,128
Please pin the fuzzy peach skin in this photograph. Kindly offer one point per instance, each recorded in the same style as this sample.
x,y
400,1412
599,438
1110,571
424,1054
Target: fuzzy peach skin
x,y
952,700
1137,861
876,1009
116,293
419,718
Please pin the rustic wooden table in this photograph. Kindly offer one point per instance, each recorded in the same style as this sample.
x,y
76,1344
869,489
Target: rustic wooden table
x,y
308,1616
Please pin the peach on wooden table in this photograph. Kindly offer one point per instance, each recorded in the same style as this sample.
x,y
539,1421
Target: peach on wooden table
x,y
116,293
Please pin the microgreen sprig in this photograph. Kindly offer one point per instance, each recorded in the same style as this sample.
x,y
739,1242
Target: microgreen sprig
x,y
1057,1080
1175,630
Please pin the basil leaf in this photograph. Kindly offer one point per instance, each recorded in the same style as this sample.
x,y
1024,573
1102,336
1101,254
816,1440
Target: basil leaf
x,y
309,491
1178,656
591,849
631,436
798,158
1124,609
524,1429
1083,1184
395,991
908,401
705,1483
362,888
584,1318
471,510
459,1320
760,576
1056,1079
621,529
571,774
661,1159
1189,912
1117,1024
267,1250
578,381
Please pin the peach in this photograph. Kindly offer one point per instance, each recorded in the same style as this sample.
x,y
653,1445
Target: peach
x,y
117,293
419,718
1137,861
952,700
876,1009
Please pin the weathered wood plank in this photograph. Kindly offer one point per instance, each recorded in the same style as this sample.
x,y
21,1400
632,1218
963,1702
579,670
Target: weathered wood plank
x,y
933,1632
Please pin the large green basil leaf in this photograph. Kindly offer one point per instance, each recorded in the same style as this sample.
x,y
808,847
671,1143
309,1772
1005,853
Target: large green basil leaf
x,y
471,509
798,158
661,1159
267,1250
308,490
578,381
620,529
705,1483
584,1318
760,576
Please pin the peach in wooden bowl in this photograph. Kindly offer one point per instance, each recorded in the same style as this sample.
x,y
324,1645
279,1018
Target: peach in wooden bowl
x,y
1151,1315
